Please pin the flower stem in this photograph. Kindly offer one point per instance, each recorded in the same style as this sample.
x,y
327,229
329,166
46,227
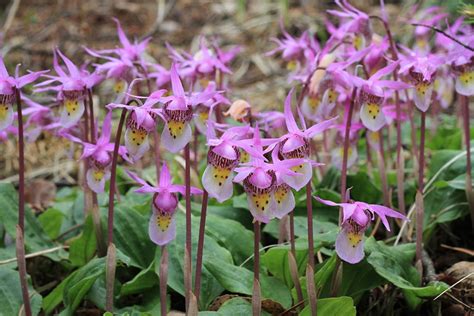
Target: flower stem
x,y
256,303
467,138
309,210
400,165
187,270
346,151
20,244
163,279
383,172
419,204
200,248
110,215
156,140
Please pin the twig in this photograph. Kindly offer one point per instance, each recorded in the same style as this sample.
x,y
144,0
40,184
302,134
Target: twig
x,y
35,254
445,34
449,288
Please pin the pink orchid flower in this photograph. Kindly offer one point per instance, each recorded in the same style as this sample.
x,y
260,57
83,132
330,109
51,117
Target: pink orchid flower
x,y
140,122
178,112
162,225
259,180
295,144
355,221
8,85
98,155
72,85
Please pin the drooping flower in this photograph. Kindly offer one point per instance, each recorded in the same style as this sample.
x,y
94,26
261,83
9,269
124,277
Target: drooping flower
x,y
178,113
355,24
204,111
462,64
98,156
259,180
296,51
72,85
421,72
222,158
372,94
38,117
140,122
296,144
356,219
8,84
162,224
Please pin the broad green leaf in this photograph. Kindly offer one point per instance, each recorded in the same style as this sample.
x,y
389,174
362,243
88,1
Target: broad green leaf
x,y
35,237
83,247
363,188
322,277
10,294
232,235
301,226
395,265
51,220
131,235
235,307
358,279
342,305
149,305
210,287
240,280
144,280
276,261
56,296
81,282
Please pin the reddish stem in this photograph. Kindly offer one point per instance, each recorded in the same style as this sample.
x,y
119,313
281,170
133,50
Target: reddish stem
x,y
421,170
383,172
21,209
200,248
292,233
309,209
346,150
92,117
467,138
187,180
163,279
256,251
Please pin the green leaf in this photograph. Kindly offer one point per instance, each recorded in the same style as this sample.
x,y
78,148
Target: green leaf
x,y
236,307
76,287
144,280
394,264
342,305
240,280
363,188
232,235
358,279
35,237
301,230
10,294
210,287
51,220
83,247
56,296
131,235
276,261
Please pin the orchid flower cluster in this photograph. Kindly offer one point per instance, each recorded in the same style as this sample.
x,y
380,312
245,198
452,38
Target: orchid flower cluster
x,y
357,84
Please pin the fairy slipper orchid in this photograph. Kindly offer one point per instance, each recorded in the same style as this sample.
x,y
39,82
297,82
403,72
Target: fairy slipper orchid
x,y
338,152
357,25
71,89
421,72
140,122
356,218
8,84
222,158
260,181
295,144
372,95
204,111
178,113
295,51
462,64
98,155
162,224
